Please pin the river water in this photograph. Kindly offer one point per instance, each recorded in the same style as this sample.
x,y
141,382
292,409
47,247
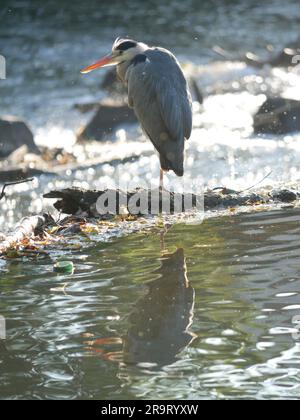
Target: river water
x,y
211,317
212,313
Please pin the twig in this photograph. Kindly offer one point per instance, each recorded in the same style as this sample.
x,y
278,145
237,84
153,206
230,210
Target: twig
x,y
253,186
228,191
9,184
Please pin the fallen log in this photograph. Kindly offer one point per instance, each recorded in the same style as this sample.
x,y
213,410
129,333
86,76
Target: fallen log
x,y
76,200
86,203
26,228
116,202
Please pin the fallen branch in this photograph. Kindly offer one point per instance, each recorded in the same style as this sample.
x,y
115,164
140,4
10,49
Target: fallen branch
x,y
9,184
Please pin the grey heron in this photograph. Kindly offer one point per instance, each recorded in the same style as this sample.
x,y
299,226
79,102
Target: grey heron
x,y
159,94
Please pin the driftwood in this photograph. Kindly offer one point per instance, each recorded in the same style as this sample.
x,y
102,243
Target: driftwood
x,y
75,200
26,228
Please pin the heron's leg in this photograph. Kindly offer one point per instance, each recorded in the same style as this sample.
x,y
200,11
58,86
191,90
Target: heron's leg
x,y
161,179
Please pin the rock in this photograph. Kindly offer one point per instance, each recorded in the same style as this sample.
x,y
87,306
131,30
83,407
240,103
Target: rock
x,y
278,116
284,196
15,133
254,61
197,95
108,117
286,58
112,85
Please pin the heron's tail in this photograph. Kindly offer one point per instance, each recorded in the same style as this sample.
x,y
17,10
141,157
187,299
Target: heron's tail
x,y
173,157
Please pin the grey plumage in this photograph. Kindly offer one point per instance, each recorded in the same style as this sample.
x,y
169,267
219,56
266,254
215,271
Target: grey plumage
x,y
159,94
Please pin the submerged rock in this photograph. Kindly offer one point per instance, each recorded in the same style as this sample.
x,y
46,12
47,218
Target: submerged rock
x,y
278,116
15,133
286,58
112,85
108,117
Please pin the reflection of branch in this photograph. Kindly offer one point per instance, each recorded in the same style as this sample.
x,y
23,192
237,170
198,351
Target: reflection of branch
x,y
8,184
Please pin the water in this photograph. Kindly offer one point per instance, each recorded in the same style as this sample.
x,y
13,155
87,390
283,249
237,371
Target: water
x,y
46,44
210,317
43,84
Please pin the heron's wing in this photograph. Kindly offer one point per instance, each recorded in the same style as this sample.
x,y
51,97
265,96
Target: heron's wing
x,y
156,83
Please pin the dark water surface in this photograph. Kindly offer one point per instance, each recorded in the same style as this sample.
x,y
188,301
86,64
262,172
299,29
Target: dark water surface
x,y
211,317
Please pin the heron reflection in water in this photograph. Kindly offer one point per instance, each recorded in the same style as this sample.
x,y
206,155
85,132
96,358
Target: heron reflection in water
x,y
159,325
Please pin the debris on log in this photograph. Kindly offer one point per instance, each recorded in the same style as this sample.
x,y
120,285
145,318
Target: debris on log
x,y
28,227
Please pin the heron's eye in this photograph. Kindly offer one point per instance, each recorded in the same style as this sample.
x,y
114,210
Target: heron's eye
x,y
121,52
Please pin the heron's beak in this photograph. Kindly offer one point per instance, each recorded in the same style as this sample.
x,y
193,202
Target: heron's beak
x,y
105,61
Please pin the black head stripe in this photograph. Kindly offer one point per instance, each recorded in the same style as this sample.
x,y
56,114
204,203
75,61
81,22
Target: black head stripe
x,y
125,45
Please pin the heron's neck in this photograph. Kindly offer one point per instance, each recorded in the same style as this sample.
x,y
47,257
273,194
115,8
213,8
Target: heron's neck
x,y
122,69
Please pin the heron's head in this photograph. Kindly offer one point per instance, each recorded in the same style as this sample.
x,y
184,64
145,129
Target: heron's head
x,y
122,50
